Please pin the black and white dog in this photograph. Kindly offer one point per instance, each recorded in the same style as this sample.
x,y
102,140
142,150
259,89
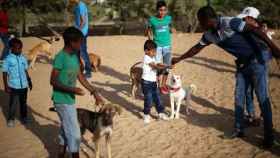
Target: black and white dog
x,y
100,124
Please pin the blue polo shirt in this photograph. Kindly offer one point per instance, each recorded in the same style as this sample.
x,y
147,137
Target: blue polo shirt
x,y
229,37
15,66
81,10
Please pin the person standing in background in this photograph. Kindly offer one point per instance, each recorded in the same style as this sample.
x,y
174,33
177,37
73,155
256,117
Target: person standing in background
x,y
4,29
81,22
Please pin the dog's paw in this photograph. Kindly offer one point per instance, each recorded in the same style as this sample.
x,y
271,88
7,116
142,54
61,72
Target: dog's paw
x,y
188,112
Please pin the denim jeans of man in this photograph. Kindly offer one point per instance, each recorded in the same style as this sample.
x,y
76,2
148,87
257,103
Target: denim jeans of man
x,y
164,56
5,39
69,134
250,107
253,73
151,94
85,55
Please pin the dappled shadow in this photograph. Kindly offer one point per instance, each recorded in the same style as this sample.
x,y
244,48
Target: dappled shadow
x,y
47,134
114,97
4,104
112,72
223,121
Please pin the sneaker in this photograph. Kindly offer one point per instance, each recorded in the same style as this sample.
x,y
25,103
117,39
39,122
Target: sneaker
x,y
87,75
52,109
164,90
11,123
25,120
147,119
236,134
162,116
269,144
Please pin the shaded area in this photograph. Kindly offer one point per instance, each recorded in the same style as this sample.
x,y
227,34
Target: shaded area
x,y
47,134
106,70
223,121
115,98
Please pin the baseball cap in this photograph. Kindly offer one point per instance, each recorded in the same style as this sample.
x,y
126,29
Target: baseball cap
x,y
249,11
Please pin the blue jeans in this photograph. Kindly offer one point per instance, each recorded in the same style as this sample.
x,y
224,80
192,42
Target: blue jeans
x,y
69,134
85,56
250,108
5,39
250,92
257,74
151,94
164,56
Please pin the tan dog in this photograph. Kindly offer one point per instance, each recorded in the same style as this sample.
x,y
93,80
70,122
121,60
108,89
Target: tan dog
x,y
95,62
135,77
100,124
42,47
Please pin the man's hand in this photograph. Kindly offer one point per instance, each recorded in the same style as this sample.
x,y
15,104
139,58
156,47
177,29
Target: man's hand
x,y
98,98
79,91
175,60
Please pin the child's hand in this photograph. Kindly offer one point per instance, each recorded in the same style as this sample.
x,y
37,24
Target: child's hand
x,y
7,89
170,67
30,83
79,91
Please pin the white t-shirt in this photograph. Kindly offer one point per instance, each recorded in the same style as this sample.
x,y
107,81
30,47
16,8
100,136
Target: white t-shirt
x,y
149,74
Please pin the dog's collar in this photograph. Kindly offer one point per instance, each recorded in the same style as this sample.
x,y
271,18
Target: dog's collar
x,y
175,89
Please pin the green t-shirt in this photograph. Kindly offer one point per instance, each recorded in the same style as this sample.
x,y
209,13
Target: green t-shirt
x,y
161,30
68,67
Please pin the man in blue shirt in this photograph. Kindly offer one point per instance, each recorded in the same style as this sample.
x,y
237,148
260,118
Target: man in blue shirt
x,y
233,35
81,22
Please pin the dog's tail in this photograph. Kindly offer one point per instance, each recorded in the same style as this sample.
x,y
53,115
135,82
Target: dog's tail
x,y
132,67
99,62
193,88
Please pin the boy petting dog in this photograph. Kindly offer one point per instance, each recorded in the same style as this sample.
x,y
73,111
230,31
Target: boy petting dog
x,y
149,81
66,71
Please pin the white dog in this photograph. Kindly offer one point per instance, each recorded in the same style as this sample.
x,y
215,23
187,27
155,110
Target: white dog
x,y
178,94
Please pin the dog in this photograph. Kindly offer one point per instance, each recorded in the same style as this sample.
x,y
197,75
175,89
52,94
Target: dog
x,y
95,62
100,124
178,94
135,77
42,47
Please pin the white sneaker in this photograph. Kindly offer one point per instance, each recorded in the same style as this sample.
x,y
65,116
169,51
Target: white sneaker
x,y
147,119
162,116
11,123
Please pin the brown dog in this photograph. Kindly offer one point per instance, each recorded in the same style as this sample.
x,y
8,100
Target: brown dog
x,y
95,62
42,47
135,77
100,124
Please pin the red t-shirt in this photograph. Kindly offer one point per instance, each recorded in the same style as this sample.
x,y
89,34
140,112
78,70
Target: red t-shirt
x,y
3,21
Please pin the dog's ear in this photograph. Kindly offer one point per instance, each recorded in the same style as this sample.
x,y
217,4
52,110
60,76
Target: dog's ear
x,y
182,76
117,108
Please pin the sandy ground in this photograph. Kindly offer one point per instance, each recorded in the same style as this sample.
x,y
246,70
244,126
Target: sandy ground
x,y
198,135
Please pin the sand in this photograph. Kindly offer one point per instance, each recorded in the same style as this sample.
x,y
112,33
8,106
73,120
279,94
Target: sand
x,y
198,135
